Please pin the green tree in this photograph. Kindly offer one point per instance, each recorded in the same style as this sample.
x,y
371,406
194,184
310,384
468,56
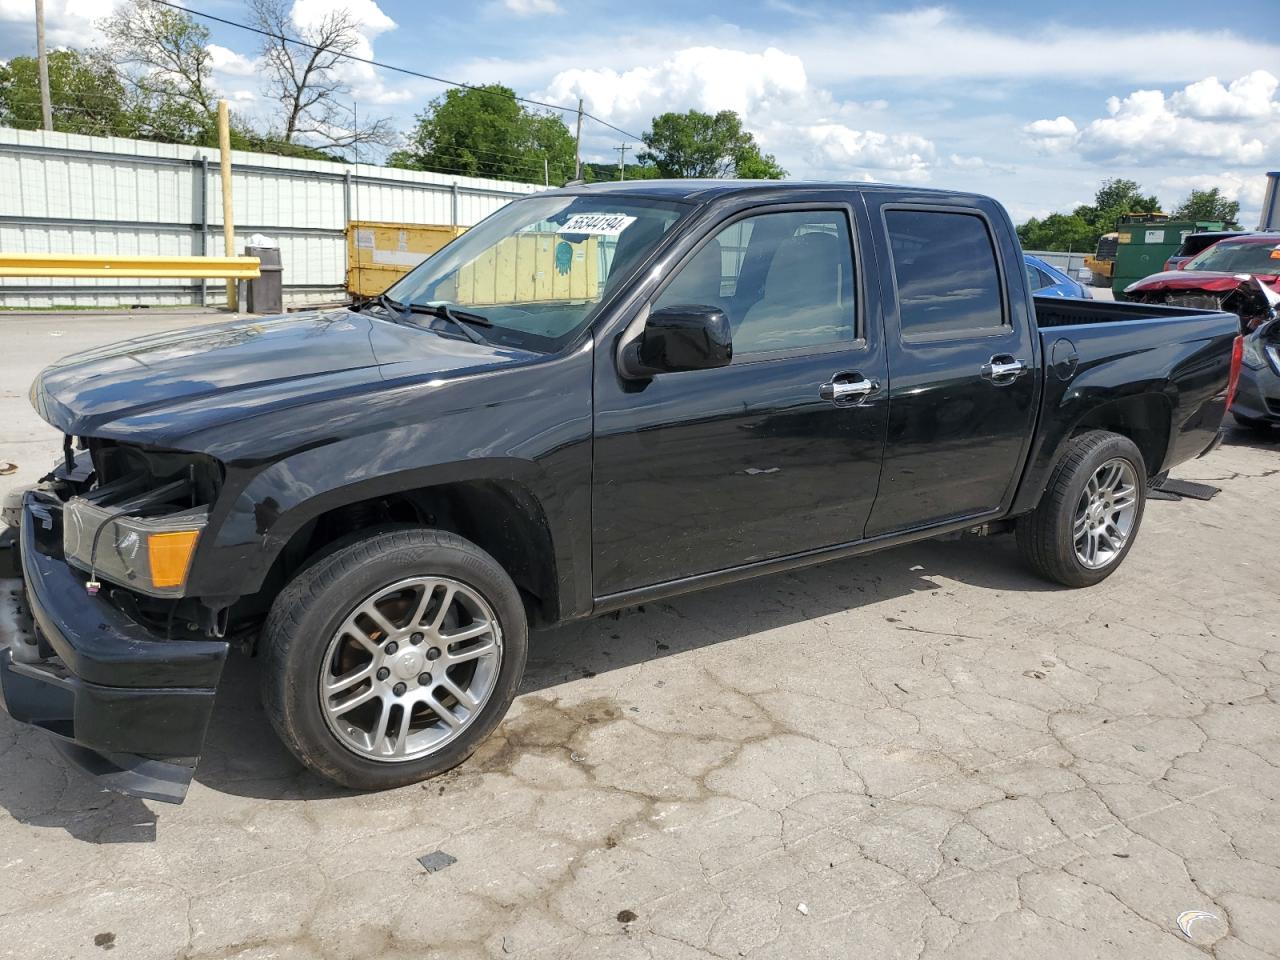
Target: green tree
x,y
600,172
1058,231
697,144
486,132
1115,198
1208,205
163,55
1080,229
87,95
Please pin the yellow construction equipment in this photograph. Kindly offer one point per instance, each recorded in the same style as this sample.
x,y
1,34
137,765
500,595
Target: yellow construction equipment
x,y
1102,262
90,265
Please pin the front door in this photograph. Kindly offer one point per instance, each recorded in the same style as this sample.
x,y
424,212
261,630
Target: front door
x,y
777,453
963,364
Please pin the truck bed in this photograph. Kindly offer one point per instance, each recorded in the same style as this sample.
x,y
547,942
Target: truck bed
x,y
1057,312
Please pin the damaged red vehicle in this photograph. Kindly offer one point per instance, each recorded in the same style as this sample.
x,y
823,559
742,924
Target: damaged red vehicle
x,y
1240,275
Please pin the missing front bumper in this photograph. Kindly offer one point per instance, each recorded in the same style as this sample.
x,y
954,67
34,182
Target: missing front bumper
x,y
126,705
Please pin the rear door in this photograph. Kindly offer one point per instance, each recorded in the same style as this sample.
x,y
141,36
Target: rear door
x,y
963,361
775,454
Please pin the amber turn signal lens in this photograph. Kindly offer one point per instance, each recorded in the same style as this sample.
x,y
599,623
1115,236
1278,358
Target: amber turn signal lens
x,y
170,555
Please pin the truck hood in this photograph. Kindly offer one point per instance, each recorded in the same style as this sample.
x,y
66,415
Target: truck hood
x,y
1209,280
156,389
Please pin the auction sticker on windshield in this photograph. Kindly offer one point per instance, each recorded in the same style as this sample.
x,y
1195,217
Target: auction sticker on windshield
x,y
597,224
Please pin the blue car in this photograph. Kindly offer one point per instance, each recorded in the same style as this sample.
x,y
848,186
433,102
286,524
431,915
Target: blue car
x,y
1049,281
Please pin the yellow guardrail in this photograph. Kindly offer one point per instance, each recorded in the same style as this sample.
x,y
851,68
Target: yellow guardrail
x,y
84,265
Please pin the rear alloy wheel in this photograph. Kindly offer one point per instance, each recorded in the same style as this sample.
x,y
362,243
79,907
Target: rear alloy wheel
x,y
1105,514
392,658
1089,514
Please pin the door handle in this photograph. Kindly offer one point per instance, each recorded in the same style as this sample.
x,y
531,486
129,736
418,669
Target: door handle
x,y
1003,369
846,388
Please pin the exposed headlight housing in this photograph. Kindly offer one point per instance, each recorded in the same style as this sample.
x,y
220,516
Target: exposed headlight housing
x,y
151,555
137,525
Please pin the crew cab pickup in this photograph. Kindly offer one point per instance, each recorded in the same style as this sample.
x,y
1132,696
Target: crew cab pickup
x,y
598,396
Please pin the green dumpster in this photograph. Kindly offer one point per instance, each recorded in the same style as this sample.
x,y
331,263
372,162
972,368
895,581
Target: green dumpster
x,y
1147,241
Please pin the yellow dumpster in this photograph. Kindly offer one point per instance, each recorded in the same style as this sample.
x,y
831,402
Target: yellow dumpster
x,y
379,254
530,268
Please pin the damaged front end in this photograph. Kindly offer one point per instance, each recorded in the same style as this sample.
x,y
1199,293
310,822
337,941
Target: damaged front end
x,y
1254,299
110,656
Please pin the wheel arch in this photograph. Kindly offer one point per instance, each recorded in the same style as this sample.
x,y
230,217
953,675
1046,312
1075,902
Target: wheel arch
x,y
1144,418
503,517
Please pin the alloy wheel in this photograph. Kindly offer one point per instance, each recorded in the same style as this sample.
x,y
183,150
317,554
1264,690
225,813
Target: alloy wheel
x,y
410,668
1105,513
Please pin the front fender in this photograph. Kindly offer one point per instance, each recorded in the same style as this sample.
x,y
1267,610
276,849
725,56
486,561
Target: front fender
x,y
526,428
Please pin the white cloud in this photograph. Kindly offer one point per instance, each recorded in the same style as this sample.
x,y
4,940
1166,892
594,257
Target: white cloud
x,y
368,16
1235,124
1247,188
231,63
1052,129
811,132
367,86
944,43
701,78
839,151
1248,97
68,23
979,164
532,8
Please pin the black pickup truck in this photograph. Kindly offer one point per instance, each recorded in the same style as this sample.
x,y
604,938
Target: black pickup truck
x,y
598,396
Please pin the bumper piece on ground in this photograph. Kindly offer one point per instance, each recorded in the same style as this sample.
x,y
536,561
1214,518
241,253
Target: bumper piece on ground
x,y
126,705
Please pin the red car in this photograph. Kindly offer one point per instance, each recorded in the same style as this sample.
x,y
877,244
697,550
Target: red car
x,y
1194,243
1231,275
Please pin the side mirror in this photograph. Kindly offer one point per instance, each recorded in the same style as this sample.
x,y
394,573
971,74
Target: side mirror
x,y
676,338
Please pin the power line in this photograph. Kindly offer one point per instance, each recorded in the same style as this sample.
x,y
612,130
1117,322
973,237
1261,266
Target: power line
x,y
395,69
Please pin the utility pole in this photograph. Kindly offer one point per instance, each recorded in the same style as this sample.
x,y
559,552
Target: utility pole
x,y
228,220
46,107
622,160
546,173
577,146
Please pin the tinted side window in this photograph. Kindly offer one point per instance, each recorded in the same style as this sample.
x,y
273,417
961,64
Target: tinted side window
x,y
945,268
785,280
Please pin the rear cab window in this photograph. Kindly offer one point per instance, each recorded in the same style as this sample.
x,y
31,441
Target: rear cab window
x,y
946,274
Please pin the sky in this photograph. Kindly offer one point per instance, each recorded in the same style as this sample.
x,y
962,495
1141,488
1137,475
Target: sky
x,y
1032,104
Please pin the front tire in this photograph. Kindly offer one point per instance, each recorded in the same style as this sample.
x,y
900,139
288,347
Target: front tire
x,y
1088,516
393,658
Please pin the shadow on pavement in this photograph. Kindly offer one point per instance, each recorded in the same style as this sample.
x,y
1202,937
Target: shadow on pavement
x,y
39,789
243,757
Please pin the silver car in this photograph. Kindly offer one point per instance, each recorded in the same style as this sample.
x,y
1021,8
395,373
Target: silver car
x,y
1257,400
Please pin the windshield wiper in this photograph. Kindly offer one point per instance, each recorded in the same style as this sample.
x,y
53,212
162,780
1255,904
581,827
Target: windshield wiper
x,y
397,310
466,322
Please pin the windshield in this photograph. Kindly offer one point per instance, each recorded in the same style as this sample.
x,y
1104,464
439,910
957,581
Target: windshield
x,y
1239,258
536,271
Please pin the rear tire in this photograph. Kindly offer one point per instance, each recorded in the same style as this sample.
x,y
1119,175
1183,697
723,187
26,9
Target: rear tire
x,y
379,624
1081,530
